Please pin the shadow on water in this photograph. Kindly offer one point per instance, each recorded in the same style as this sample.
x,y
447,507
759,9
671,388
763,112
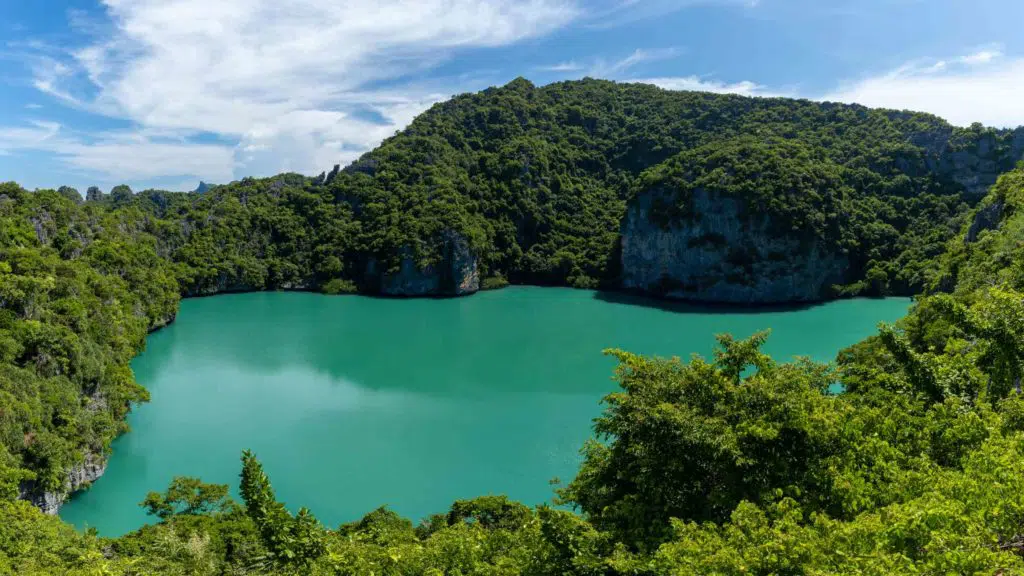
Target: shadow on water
x,y
688,307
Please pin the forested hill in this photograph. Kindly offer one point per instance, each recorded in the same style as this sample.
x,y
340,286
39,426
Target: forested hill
x,y
592,183
539,179
732,465
589,183
736,464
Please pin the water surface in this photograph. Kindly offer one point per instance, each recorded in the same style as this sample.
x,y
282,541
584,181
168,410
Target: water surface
x,y
353,402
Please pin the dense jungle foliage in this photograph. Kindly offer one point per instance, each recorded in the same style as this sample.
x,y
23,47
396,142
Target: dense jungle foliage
x,y
736,464
539,178
537,181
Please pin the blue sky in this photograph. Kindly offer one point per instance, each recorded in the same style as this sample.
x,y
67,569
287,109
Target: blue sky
x,y
163,93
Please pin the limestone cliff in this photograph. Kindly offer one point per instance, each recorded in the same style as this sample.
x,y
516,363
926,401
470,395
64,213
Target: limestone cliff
x,y
726,254
456,274
974,158
757,219
77,477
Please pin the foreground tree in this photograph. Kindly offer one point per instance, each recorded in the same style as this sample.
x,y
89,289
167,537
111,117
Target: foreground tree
x,y
187,495
693,440
293,542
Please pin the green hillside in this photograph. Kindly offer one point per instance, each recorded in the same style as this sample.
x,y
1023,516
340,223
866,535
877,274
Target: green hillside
x,y
735,464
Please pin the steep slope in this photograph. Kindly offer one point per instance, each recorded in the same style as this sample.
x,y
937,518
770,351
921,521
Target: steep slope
x,y
589,183
746,220
539,180
990,248
734,465
545,185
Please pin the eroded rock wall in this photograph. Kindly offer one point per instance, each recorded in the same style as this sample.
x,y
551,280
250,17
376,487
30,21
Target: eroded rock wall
x,y
77,477
725,254
457,273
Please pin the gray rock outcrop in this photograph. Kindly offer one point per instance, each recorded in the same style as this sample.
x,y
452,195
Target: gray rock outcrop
x,y
986,218
457,273
725,255
974,161
77,477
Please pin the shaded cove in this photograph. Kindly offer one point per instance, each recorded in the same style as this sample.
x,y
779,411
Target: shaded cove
x,y
355,402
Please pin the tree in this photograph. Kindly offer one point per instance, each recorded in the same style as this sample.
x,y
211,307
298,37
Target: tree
x,y
70,193
918,367
187,495
490,512
293,542
694,440
878,279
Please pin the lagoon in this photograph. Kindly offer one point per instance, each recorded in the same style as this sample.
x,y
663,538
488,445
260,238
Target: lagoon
x,y
354,402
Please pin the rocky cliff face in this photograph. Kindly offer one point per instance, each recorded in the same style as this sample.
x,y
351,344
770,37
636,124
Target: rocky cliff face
x,y
77,477
724,255
974,162
457,273
987,218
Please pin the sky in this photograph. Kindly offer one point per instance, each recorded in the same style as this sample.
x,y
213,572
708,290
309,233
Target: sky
x,y
165,93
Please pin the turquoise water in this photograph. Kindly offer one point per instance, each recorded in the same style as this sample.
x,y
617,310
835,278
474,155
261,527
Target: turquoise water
x,y
353,402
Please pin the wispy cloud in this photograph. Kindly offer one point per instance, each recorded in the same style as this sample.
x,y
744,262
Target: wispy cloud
x,y
570,66
31,136
604,69
623,12
983,86
696,83
120,155
283,80
610,69
981,57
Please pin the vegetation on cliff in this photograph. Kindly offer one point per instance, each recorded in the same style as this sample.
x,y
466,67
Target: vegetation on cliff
x,y
736,464
537,180
540,178
884,230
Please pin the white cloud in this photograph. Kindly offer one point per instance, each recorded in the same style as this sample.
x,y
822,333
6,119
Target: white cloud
x,y
981,87
603,69
981,57
33,136
623,12
49,74
310,141
128,157
284,79
569,66
121,156
744,88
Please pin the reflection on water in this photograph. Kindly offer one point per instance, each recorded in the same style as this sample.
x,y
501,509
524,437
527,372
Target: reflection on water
x,y
355,402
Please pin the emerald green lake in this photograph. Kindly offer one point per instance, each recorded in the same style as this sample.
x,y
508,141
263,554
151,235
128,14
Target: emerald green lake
x,y
353,402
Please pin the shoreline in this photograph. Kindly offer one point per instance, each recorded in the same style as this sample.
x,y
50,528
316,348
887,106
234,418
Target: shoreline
x,y
612,296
